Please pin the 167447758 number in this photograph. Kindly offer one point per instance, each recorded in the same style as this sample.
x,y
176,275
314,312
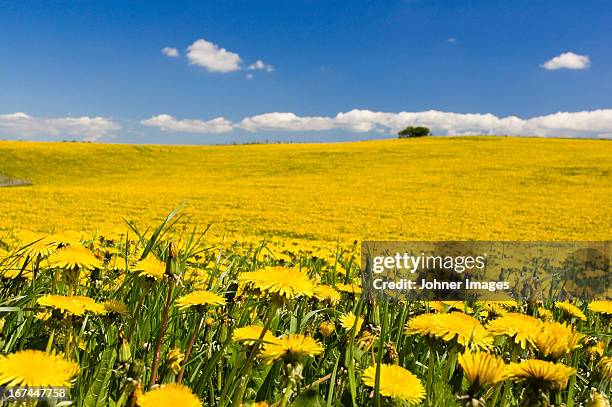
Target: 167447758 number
x,y
9,393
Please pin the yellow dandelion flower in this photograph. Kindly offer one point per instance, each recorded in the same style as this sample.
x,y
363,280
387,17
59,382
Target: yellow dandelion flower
x,y
282,281
347,321
72,304
42,315
200,298
522,328
116,307
556,340
74,257
17,269
174,359
482,369
89,304
340,269
395,382
541,373
197,277
437,306
571,310
68,237
349,288
545,314
327,293
118,263
465,329
173,394
291,348
36,244
605,367
366,339
596,351
492,309
250,334
115,283
150,267
601,307
34,368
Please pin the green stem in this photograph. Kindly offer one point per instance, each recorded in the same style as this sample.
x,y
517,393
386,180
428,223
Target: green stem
x,y
160,336
287,394
245,374
496,394
50,341
136,312
430,368
192,340
379,357
451,362
572,382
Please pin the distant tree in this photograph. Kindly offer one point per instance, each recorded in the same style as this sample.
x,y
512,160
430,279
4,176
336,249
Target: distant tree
x,y
412,131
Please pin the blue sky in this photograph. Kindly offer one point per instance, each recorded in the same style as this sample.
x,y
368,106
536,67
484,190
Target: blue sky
x,y
95,70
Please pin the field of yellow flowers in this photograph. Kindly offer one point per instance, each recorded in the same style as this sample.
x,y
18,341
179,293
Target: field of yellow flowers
x,y
264,306
489,188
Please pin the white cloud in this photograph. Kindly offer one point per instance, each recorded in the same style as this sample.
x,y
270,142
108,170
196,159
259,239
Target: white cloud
x,y
216,59
567,60
452,40
595,123
170,52
84,128
249,76
210,56
169,123
260,65
286,121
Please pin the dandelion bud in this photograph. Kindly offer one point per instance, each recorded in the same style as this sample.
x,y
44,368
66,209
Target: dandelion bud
x,y
391,356
136,370
125,351
223,332
326,328
172,250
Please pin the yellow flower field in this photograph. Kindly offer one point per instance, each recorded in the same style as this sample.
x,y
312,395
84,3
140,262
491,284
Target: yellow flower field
x,y
433,188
